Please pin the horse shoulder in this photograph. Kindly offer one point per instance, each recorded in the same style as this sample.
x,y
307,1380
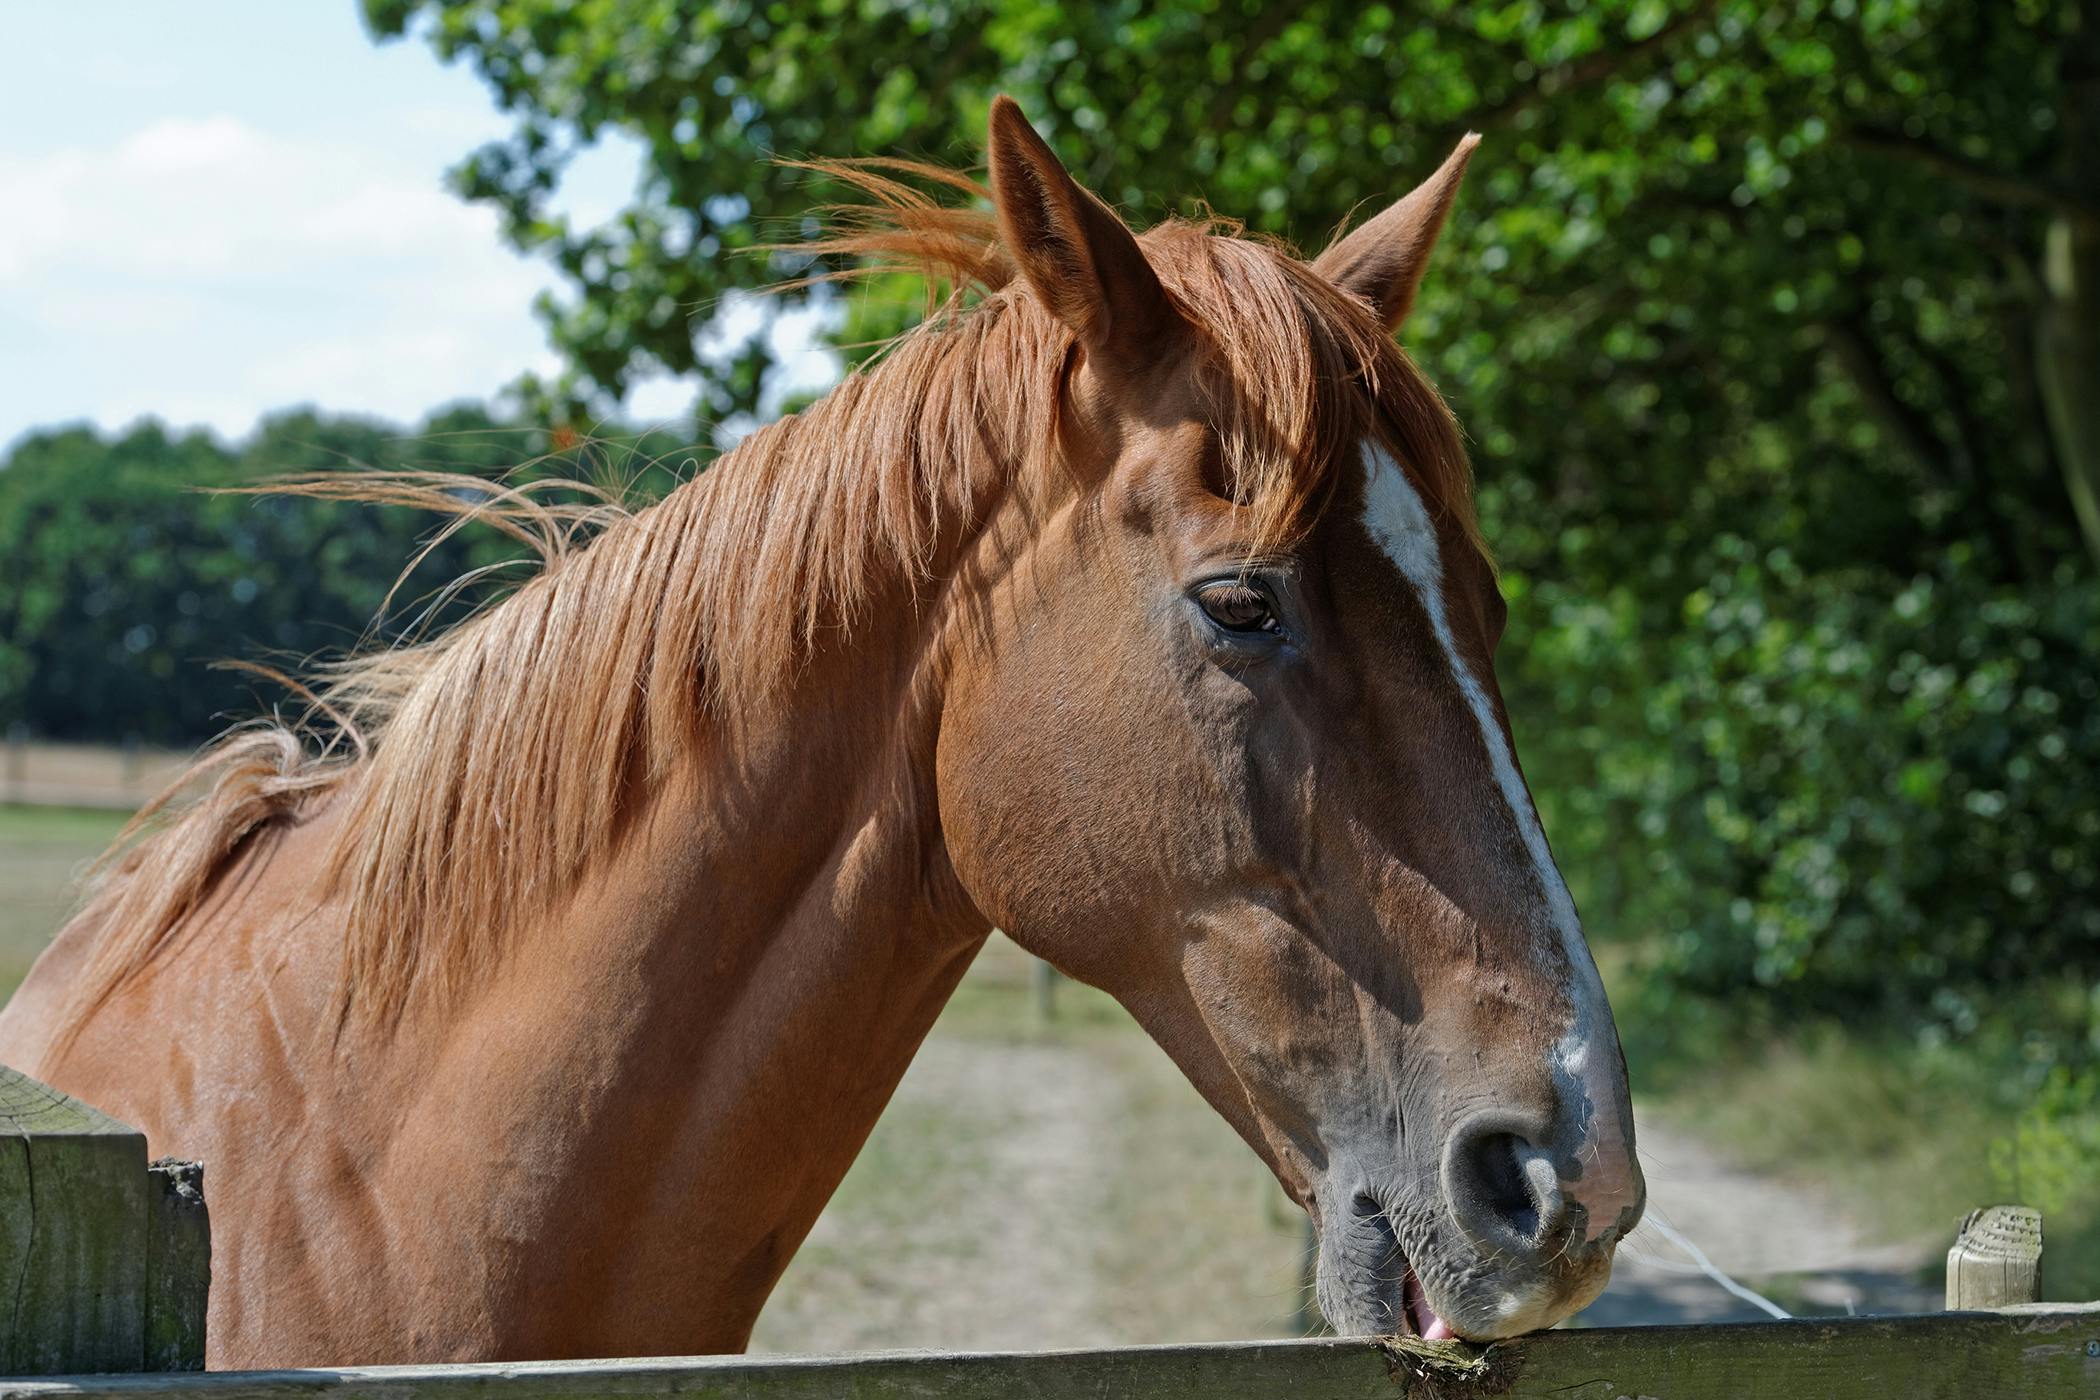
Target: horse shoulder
x,y
31,1018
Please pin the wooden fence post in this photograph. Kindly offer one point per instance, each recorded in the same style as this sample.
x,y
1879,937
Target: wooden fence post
x,y
1043,980
104,1265
178,1266
1996,1260
17,762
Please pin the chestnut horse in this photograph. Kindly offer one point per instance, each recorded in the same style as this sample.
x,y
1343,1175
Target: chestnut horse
x,y
1134,605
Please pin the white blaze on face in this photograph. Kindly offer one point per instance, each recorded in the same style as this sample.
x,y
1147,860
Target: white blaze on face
x,y
1400,525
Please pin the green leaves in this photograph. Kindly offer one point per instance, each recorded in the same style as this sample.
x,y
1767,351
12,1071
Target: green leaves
x,y
1739,306
126,580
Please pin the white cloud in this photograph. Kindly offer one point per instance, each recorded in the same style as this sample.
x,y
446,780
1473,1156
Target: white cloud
x,y
200,143
212,196
204,262
296,246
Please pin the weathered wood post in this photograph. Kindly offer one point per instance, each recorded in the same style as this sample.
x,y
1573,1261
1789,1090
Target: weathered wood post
x,y
178,1266
1043,980
105,1262
18,762
1996,1260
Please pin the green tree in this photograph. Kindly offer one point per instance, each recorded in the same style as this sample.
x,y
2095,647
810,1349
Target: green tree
x,y
94,612
1688,218
1772,321
127,578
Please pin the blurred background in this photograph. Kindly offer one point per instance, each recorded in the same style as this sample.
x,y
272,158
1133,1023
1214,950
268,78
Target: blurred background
x,y
1776,328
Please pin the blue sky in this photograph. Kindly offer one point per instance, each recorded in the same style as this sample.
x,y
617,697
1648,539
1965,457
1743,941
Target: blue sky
x,y
212,210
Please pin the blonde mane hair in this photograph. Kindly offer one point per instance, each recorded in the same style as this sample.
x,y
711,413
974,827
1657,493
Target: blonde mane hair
x,y
485,770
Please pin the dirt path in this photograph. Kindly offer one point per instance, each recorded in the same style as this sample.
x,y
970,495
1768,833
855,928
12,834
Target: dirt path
x,y
1064,1188
1803,1251
1055,1185
955,1232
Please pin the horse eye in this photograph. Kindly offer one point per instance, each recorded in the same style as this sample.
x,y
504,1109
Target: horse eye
x,y
1237,608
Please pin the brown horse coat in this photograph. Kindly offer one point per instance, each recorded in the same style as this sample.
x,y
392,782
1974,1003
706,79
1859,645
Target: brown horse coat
x,y
1134,605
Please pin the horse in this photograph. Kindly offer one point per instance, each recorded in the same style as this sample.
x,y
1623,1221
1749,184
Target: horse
x,y
1133,604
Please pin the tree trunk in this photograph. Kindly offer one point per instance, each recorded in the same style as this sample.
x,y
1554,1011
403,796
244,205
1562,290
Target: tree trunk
x,y
2067,327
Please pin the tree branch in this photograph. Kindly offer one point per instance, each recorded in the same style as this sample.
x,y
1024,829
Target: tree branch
x,y
1856,354
1971,451
1594,67
1997,186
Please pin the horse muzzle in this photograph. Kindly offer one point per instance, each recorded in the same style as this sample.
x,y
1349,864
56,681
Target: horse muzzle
x,y
1496,1241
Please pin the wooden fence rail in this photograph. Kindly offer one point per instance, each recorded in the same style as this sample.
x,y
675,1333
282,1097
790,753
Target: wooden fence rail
x,y
2043,1351
108,1261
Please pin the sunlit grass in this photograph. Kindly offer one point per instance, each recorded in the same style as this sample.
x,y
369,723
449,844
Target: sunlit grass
x,y
42,852
1910,1142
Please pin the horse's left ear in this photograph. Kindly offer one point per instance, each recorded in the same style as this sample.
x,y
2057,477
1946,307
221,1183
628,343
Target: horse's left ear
x,y
1382,261
1080,258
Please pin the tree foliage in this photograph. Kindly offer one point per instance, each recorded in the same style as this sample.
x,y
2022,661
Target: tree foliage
x,y
128,577
1696,215
1773,322
1755,309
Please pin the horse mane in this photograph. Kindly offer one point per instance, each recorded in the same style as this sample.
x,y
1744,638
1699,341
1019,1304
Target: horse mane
x,y
481,772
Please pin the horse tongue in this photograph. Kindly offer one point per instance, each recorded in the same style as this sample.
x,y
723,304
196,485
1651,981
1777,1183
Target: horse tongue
x,y
1424,1317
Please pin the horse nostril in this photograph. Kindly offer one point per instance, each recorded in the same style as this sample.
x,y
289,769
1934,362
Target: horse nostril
x,y
1503,1187
1500,1185
1502,1180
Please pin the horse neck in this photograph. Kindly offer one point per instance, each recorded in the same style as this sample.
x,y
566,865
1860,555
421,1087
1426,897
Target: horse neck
x,y
712,1024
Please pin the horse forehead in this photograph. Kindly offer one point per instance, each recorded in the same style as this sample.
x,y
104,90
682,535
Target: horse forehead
x,y
1398,520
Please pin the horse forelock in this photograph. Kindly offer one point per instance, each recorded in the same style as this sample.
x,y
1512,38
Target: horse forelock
x,y
493,764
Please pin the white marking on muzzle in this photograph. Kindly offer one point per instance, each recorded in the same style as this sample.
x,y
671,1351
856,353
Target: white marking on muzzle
x,y
1400,524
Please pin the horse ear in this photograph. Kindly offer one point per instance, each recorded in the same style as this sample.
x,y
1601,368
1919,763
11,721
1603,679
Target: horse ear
x,y
1382,260
1076,254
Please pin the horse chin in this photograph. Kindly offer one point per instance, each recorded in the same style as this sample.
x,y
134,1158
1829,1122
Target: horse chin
x,y
1367,1285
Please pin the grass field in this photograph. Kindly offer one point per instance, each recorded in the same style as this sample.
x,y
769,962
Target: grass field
x,y
1909,1141
42,850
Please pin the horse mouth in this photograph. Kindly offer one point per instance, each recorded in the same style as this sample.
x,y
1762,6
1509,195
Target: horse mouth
x,y
1410,1313
1415,1312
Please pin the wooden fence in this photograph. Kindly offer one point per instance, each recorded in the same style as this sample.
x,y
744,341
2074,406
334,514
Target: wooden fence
x,y
149,1247
105,1259
2041,1351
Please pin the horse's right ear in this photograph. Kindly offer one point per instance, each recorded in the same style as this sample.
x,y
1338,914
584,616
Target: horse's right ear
x,y
1077,256
1382,262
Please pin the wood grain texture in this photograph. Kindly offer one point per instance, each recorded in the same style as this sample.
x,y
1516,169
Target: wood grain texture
x,y
2043,1352
178,1266
1996,1261
73,1232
